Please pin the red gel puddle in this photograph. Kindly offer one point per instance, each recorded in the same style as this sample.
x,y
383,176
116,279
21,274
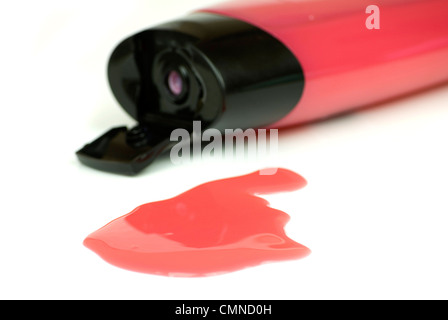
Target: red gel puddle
x,y
215,228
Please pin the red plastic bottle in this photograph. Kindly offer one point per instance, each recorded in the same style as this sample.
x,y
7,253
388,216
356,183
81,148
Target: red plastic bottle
x,y
347,64
267,63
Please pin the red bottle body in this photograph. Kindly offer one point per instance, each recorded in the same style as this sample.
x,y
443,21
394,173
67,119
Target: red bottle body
x,y
267,63
347,65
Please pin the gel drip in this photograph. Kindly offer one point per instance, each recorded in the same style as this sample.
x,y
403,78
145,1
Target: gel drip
x,y
215,228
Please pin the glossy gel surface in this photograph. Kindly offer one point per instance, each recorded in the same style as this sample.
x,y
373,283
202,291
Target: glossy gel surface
x,y
215,228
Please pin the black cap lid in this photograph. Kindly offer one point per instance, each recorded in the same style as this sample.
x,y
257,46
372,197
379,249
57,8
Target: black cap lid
x,y
221,71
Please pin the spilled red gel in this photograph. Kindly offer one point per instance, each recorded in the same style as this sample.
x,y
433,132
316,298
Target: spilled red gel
x,y
215,228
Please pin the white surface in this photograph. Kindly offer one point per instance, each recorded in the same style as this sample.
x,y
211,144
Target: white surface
x,y
374,214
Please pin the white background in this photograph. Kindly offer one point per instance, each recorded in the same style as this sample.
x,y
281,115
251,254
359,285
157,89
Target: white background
x,y
374,214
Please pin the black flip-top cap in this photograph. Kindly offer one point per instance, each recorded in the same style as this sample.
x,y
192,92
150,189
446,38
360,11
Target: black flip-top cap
x,y
221,71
